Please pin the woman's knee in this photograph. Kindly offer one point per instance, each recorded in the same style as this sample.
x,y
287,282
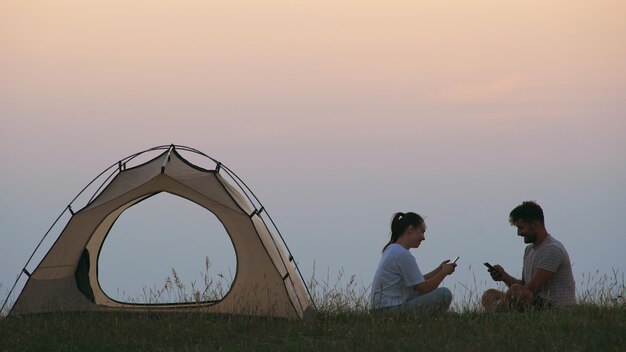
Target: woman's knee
x,y
445,295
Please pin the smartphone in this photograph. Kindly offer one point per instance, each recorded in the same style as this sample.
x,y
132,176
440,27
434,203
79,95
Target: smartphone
x,y
455,259
489,266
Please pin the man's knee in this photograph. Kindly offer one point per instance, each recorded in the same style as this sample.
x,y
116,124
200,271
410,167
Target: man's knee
x,y
491,298
491,293
518,291
519,294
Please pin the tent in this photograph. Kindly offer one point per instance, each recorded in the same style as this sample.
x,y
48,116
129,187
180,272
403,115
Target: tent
x,y
267,281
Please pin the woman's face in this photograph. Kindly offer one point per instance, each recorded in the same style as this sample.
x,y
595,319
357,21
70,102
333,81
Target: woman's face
x,y
417,234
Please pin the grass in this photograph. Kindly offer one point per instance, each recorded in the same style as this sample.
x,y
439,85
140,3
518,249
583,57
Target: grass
x,y
585,328
598,323
213,287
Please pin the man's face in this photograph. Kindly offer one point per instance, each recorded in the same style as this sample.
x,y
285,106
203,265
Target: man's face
x,y
527,230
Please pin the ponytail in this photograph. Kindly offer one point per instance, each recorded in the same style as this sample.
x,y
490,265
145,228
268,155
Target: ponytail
x,y
399,224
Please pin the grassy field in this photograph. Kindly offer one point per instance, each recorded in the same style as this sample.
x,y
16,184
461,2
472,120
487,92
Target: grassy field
x,y
597,323
585,328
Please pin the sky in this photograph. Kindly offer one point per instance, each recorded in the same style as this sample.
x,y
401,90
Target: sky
x,y
336,113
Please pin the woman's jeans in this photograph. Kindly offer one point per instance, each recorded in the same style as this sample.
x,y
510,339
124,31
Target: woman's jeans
x,y
435,301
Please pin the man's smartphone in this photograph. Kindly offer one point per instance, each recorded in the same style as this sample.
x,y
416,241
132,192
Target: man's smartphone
x,y
455,259
489,266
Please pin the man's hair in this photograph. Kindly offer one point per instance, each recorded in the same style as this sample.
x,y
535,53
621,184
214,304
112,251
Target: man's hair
x,y
528,211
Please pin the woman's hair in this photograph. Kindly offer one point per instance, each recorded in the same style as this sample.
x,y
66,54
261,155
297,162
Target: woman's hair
x,y
400,222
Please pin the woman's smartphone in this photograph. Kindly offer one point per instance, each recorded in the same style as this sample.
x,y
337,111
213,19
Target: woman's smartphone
x,y
489,266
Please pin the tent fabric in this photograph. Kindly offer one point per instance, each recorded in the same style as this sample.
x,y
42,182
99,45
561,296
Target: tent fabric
x,y
266,283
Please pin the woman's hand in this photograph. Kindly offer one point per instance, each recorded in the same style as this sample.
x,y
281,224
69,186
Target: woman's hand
x,y
442,264
448,268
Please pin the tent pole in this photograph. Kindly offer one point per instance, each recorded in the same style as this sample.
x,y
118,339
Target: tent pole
x,y
169,152
24,271
235,178
69,207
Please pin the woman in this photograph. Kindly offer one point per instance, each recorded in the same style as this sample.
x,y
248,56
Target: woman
x,y
399,285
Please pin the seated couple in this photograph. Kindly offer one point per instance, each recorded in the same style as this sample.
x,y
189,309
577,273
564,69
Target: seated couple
x,y
400,287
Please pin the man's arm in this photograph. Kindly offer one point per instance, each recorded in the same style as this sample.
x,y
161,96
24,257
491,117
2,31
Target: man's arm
x,y
541,278
510,281
499,274
547,264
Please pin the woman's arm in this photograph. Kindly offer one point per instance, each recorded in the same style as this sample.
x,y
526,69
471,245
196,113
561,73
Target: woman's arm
x,y
434,281
431,274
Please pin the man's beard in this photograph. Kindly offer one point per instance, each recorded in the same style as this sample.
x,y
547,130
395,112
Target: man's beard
x,y
529,238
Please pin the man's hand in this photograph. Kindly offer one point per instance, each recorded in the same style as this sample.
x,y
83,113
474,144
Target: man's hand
x,y
442,264
498,273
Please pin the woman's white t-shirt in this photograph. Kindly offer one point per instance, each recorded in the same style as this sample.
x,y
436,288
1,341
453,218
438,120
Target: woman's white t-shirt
x,y
397,273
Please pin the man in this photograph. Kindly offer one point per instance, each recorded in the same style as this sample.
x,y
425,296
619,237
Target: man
x,y
547,279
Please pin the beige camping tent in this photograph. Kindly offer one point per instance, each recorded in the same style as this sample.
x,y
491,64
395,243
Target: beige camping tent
x,y
267,281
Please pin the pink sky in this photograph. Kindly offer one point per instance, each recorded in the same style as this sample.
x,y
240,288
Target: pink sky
x,y
427,106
